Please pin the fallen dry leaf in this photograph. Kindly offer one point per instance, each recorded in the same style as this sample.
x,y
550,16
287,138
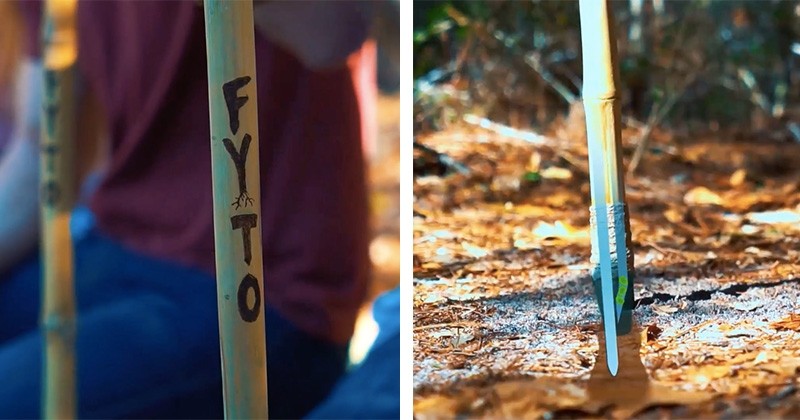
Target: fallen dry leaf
x,y
673,215
651,333
747,306
738,177
555,172
707,373
560,230
474,251
701,196
535,162
664,309
791,323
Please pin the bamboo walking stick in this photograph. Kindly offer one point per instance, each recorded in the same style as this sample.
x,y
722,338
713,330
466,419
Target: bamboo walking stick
x,y
230,47
58,192
611,237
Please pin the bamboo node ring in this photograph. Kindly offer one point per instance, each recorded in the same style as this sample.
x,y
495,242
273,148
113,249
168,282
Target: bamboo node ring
x,y
56,323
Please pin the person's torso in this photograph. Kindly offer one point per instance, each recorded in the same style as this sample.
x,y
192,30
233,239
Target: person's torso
x,y
146,63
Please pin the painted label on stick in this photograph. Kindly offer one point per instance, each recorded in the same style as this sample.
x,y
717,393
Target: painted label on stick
x,y
246,221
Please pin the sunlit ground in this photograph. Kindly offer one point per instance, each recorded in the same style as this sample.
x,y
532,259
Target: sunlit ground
x,y
505,322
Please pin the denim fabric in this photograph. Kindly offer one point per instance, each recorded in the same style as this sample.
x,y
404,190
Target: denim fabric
x,y
147,341
372,389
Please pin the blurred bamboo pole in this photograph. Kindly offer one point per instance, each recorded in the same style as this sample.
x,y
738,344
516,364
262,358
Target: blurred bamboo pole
x,y
610,223
230,46
58,192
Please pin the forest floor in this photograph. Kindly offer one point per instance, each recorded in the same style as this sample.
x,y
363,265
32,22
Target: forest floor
x,y
505,320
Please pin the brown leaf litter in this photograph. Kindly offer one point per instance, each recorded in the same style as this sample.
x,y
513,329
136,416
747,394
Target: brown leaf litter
x,y
505,323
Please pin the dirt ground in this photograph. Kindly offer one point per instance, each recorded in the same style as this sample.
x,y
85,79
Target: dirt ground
x,y
505,322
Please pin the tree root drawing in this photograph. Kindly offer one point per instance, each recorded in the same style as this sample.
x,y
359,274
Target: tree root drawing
x,y
243,200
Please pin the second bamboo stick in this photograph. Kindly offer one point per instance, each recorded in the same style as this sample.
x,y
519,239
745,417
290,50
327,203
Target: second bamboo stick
x,y
58,191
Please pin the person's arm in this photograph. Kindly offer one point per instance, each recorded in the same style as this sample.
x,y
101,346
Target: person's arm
x,y
321,34
19,170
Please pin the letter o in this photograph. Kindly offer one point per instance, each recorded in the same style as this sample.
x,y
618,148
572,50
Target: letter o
x,y
247,313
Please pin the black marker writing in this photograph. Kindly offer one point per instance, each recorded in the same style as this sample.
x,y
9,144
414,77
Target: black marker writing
x,y
51,108
51,111
245,222
50,190
50,193
247,313
233,101
239,160
50,150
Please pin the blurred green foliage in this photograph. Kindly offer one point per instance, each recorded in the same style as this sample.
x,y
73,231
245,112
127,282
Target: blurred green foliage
x,y
698,62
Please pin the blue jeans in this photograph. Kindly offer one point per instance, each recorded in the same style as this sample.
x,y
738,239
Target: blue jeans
x,y
147,342
372,389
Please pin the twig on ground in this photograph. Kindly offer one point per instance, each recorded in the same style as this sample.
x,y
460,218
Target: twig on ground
x,y
444,159
504,130
533,60
535,63
528,137
756,96
459,324
656,115
794,129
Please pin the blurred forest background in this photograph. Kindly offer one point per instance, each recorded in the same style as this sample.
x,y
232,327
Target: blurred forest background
x,y
690,67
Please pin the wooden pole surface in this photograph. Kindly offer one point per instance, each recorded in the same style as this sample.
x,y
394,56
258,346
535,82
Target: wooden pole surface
x,y
611,226
58,192
230,49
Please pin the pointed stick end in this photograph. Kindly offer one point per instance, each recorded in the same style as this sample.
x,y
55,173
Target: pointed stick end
x,y
613,365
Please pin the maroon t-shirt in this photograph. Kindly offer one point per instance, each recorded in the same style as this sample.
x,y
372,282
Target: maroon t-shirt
x,y
146,62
